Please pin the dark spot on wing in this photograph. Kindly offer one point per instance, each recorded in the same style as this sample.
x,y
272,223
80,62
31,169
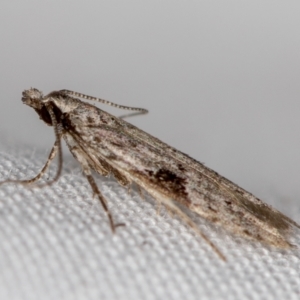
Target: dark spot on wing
x,y
246,232
101,116
181,167
132,143
129,143
111,156
212,209
67,123
97,139
214,219
116,144
169,181
150,172
90,120
166,175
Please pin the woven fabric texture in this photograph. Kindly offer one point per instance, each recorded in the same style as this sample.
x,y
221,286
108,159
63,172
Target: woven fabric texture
x,y
56,244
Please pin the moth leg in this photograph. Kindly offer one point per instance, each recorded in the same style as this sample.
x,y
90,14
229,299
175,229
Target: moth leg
x,y
104,168
158,209
140,191
99,166
168,203
41,173
175,209
121,179
129,190
97,192
83,159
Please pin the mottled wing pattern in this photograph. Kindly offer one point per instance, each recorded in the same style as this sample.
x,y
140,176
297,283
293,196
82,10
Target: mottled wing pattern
x,y
167,173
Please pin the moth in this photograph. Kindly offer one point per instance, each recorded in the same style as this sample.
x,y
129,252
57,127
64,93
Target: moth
x,y
108,145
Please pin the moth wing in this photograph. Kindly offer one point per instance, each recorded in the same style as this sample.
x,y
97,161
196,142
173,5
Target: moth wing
x,y
247,200
156,166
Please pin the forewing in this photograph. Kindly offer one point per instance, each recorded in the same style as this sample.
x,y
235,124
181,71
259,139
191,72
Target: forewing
x,y
241,197
154,165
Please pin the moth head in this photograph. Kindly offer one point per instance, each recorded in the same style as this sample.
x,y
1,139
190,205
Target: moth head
x,y
33,98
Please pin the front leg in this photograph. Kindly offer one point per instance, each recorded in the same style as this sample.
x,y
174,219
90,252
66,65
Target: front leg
x,y
40,174
82,158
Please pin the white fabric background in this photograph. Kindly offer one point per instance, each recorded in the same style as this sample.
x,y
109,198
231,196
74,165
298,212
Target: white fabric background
x,y
56,244
221,82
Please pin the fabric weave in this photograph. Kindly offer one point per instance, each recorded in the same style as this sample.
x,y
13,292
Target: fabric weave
x,y
56,243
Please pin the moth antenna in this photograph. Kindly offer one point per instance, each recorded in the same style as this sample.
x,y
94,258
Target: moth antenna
x,y
76,94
